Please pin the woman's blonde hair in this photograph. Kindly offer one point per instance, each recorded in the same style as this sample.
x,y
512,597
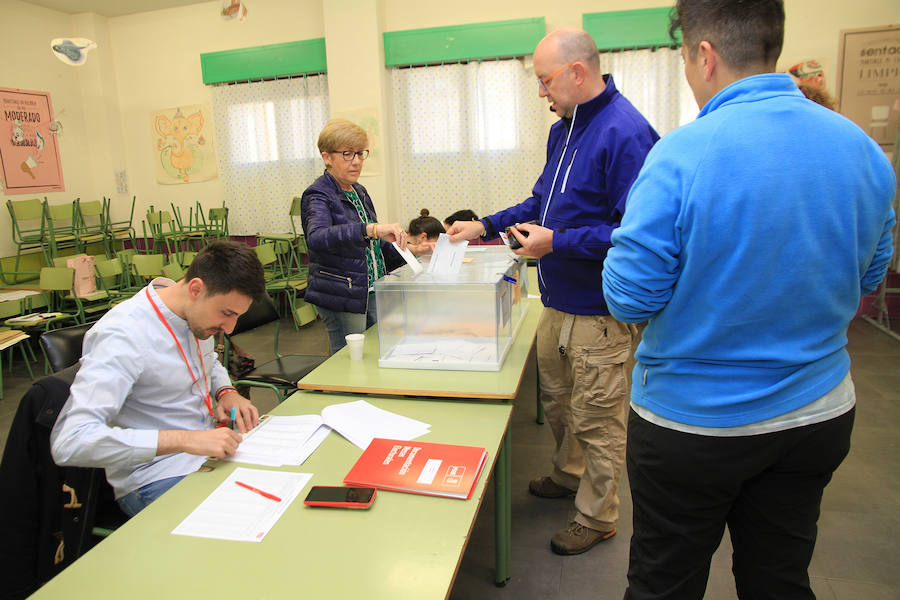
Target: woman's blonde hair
x,y
341,133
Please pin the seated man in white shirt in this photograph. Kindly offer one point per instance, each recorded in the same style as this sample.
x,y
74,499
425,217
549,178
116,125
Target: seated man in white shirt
x,y
149,392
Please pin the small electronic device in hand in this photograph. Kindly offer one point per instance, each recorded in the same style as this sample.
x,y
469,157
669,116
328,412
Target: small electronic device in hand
x,y
340,497
513,240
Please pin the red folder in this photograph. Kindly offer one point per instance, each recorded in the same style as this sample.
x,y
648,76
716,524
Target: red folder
x,y
419,467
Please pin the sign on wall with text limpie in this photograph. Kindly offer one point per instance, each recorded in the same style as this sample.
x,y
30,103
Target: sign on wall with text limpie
x,y
29,147
869,81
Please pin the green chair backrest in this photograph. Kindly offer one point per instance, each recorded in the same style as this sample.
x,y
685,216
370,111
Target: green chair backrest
x,y
10,308
108,268
107,219
90,216
60,213
266,253
58,279
60,261
148,265
187,258
23,212
125,256
173,271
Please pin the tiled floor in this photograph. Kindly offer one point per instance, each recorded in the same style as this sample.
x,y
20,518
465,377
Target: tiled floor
x,y
859,530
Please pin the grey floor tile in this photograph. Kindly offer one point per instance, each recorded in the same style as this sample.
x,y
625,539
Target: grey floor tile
x,y
854,590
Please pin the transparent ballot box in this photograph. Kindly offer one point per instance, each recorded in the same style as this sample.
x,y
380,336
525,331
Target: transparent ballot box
x,y
465,321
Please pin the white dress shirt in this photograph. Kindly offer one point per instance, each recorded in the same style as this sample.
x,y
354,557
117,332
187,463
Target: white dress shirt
x,y
133,382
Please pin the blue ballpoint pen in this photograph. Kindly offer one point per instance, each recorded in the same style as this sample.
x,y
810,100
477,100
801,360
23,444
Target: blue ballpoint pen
x,y
233,409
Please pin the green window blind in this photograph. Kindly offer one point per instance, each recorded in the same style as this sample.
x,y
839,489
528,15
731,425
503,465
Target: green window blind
x,y
619,29
261,62
462,42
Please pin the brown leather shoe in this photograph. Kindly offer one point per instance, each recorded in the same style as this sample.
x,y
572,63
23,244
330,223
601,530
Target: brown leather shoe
x,y
576,538
544,487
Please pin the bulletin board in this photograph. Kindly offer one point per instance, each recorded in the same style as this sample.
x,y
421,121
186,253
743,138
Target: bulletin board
x,y
868,81
29,150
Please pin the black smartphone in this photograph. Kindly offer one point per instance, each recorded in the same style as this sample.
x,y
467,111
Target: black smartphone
x,y
513,241
340,497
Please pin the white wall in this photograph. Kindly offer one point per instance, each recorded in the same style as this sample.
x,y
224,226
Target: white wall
x,y
151,61
28,63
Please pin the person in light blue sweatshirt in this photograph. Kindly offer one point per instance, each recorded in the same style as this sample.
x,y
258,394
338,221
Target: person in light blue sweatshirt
x,y
749,236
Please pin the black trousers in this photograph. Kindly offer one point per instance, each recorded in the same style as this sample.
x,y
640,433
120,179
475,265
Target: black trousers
x,y
766,488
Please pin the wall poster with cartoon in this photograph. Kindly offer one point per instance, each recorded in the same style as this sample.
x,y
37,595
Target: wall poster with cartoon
x,y
183,149
29,149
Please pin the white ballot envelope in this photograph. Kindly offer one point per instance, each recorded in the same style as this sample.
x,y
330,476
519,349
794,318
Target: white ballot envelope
x,y
448,256
410,258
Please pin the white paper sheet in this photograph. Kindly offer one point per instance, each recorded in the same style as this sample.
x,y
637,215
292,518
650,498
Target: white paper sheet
x,y
360,422
447,256
410,259
232,512
278,441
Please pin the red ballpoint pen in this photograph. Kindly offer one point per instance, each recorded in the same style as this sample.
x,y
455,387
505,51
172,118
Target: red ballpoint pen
x,y
259,491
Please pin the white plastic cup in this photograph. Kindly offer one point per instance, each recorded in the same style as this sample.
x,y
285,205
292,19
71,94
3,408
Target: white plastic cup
x,y
355,345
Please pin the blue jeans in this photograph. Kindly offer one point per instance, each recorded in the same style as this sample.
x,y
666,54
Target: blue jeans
x,y
340,324
133,503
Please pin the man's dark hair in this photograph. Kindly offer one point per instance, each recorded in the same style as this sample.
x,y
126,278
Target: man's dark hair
x,y
461,215
229,266
747,34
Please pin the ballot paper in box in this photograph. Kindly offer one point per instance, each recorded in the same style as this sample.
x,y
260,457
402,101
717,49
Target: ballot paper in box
x,y
456,321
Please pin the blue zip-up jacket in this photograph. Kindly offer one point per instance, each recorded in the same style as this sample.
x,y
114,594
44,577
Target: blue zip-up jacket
x,y
592,160
336,238
750,235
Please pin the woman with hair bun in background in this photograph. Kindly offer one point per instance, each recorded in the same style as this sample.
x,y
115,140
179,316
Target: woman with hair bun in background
x,y
423,233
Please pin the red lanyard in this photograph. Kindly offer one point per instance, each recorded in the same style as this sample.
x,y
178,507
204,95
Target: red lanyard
x,y
207,398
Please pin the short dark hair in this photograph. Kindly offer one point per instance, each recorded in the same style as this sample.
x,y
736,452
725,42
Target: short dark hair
x,y
426,224
229,266
746,33
461,215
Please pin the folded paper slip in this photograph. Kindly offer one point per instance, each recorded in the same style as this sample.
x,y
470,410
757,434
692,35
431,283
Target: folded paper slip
x,y
419,468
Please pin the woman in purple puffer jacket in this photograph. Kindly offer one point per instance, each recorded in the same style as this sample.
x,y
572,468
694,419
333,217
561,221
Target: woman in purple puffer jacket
x,y
348,248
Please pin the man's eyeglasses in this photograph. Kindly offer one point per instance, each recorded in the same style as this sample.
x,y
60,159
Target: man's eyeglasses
x,y
546,80
349,154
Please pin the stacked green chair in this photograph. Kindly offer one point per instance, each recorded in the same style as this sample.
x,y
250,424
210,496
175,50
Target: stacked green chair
x,y
28,233
113,279
288,284
118,231
193,235
282,374
217,225
60,224
163,232
145,267
289,238
125,257
173,270
90,227
11,338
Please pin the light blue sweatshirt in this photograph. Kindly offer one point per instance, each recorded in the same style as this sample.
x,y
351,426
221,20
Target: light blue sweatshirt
x,y
748,238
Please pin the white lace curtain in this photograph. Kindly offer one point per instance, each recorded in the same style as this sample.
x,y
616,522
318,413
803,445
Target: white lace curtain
x,y
653,80
266,136
468,136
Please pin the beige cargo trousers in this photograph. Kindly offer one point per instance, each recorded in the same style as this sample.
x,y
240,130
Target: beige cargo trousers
x,y
584,363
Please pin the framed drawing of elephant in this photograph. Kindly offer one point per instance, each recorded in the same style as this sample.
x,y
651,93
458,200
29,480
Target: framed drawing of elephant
x,y
183,148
